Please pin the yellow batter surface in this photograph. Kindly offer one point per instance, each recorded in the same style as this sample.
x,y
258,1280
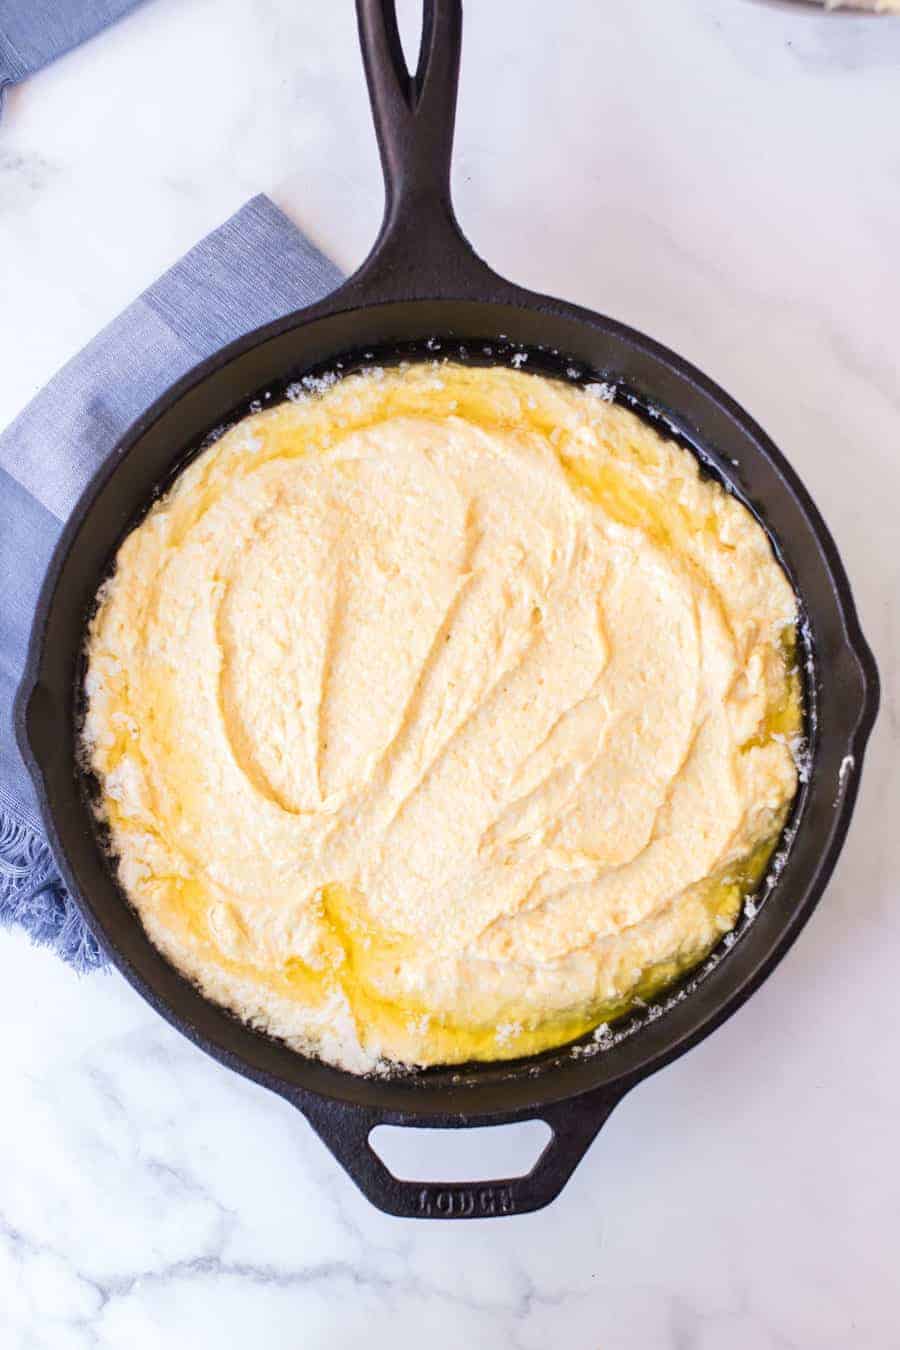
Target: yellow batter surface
x,y
439,715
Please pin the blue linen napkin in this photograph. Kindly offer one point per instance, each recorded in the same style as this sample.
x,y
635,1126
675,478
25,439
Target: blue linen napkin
x,y
254,268
35,32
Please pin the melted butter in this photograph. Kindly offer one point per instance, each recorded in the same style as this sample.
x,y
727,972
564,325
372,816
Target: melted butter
x,y
359,953
368,950
622,497
355,955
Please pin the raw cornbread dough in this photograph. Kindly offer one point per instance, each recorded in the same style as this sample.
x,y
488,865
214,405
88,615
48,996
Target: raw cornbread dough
x,y
440,713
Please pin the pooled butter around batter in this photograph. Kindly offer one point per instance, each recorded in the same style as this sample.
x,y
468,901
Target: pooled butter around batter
x,y
440,715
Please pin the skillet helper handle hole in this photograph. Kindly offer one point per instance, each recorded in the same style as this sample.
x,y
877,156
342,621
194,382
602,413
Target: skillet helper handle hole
x,y
574,1124
420,250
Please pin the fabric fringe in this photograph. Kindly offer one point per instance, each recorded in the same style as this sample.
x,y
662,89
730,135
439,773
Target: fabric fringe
x,y
33,895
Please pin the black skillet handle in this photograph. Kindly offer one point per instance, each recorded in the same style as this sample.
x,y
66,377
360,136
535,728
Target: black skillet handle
x,y
575,1123
420,251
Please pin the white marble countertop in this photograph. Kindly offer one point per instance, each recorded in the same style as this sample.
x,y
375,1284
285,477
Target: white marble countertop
x,y
723,174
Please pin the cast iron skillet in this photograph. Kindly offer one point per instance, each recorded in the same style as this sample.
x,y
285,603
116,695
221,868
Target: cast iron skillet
x,y
423,282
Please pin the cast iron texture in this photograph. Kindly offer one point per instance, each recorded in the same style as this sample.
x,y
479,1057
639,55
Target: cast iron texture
x,y
422,282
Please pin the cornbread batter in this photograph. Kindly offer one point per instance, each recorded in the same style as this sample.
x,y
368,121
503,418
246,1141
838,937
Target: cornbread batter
x,y
440,714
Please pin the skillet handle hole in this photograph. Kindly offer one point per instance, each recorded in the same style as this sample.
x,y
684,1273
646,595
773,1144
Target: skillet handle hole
x,y
476,1154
